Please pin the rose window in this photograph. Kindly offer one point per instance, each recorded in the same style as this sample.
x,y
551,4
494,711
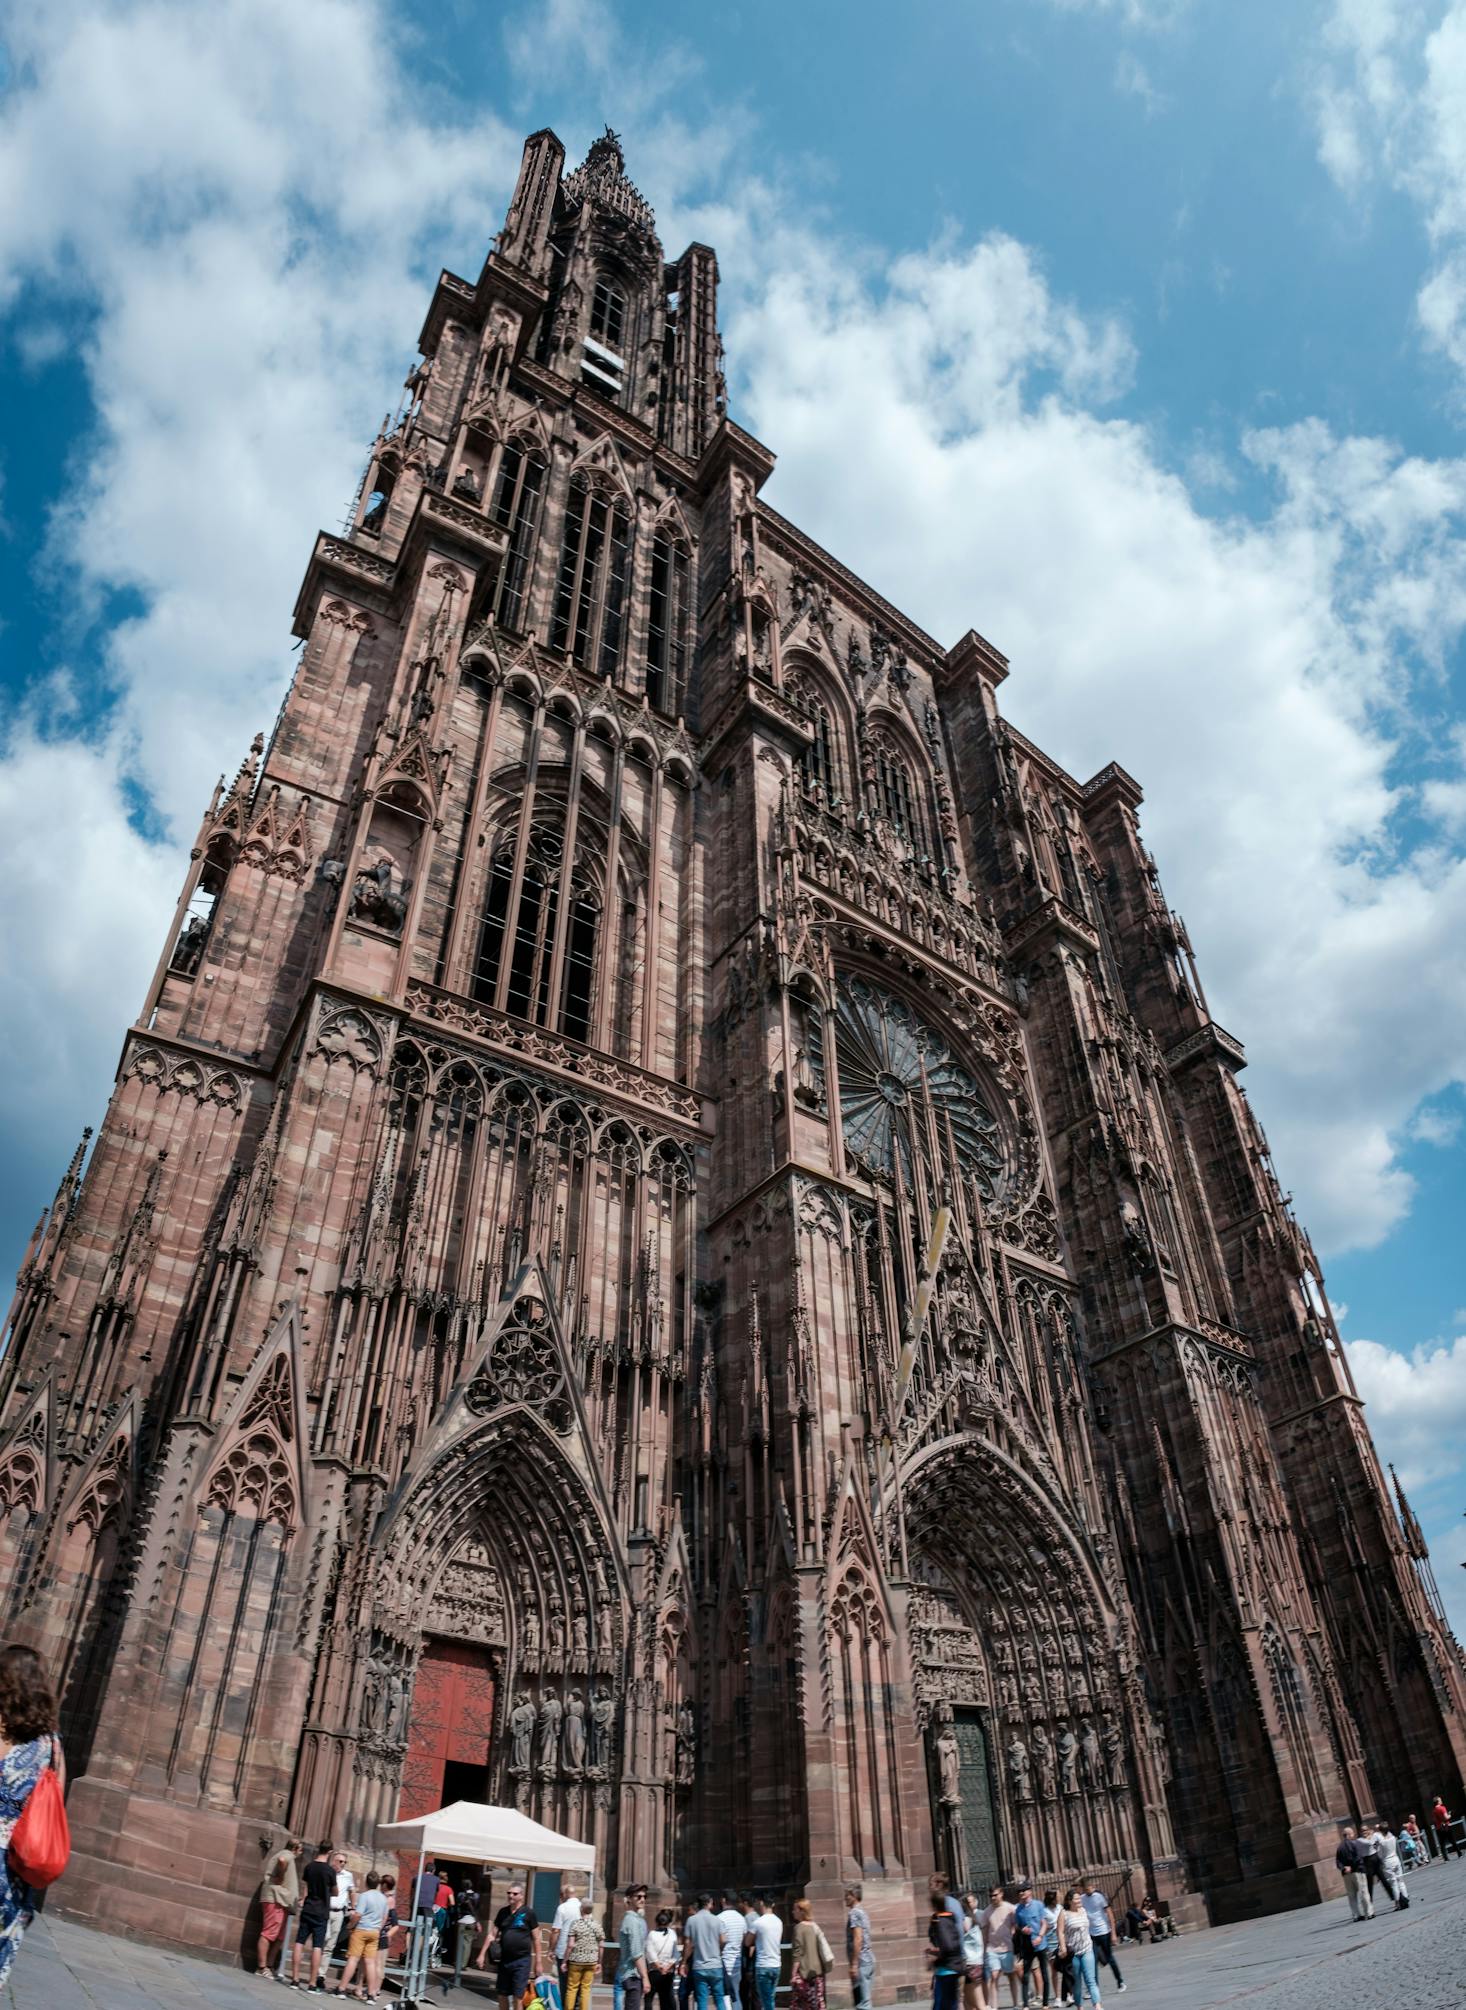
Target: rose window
x,y
903,1090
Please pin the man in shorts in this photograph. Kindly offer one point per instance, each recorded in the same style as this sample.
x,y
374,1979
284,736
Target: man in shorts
x,y
997,1956
514,1942
278,1896
315,1913
369,1916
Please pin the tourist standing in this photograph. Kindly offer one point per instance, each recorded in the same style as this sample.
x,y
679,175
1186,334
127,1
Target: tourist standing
x,y
369,1917
631,1965
704,1961
1349,1857
376,1965
582,1959
734,1932
1441,1817
278,1896
1102,1932
768,1952
663,1952
319,1888
1076,1946
514,1942
566,1914
859,1952
28,1745
342,1903
974,1988
749,1991
811,1963
997,1933
1030,1930
1391,1869
945,1954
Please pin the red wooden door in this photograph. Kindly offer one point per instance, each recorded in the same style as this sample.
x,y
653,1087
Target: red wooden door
x,y
452,1722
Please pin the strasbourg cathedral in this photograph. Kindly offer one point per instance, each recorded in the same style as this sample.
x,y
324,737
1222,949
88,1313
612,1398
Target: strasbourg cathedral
x,y
675,1243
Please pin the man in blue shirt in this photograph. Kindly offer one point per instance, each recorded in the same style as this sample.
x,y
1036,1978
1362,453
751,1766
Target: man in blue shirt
x,y
1028,1936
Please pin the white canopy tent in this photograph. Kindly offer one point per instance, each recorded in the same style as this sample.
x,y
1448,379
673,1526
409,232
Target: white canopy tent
x,y
468,1830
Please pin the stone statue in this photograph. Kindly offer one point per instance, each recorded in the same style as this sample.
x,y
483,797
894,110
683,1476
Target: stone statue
x,y
371,1702
190,947
1043,1759
398,1696
375,899
1091,1770
580,1637
1018,1769
1114,1749
574,1732
949,1761
551,1712
602,1718
521,1731
555,1637
532,1632
1068,1761
686,1737
605,1631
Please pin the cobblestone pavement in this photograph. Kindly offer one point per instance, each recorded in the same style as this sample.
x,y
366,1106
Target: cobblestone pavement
x,y
1313,1959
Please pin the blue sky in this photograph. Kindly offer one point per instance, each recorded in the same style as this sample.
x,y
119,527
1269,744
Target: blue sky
x,y
1133,334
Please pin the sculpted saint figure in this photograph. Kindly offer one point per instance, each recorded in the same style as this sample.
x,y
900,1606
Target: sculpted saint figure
x,y
1090,1767
1068,1761
574,1732
521,1731
551,1712
1043,1758
1018,1768
602,1716
949,1762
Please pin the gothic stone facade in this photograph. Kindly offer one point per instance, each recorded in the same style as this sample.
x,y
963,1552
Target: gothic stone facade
x,y
503,1342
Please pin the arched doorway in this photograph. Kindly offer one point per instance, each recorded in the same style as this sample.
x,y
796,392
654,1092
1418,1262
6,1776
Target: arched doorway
x,y
1017,1682
496,1642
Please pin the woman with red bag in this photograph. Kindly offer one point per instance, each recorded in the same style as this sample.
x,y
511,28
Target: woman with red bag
x,y
28,1749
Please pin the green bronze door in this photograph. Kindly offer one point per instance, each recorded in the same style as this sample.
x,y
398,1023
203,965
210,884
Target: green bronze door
x,y
980,1867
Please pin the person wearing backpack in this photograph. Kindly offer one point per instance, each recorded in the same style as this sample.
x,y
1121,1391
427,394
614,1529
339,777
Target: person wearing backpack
x,y
32,1852
944,1955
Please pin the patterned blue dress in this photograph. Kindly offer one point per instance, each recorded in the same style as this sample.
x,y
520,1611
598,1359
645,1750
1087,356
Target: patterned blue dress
x,y
21,1767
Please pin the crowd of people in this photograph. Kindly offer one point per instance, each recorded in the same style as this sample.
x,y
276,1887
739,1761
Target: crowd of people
x,y
1374,1855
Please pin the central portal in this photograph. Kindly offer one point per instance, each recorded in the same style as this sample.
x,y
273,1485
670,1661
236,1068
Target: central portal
x,y
450,1730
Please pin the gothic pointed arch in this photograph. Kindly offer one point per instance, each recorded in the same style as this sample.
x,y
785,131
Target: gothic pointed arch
x,y
259,1462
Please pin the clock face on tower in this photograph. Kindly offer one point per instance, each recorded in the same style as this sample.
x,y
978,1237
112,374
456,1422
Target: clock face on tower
x,y
902,1089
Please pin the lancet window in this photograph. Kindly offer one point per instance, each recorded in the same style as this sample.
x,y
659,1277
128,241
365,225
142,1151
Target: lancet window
x,y
537,944
589,618
817,763
516,509
896,796
666,636
608,313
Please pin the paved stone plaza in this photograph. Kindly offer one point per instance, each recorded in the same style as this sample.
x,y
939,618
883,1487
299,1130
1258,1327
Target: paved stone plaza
x,y
1303,1960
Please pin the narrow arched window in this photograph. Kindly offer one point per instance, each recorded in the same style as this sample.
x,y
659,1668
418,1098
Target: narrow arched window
x,y
666,634
896,792
817,762
589,618
553,914
516,509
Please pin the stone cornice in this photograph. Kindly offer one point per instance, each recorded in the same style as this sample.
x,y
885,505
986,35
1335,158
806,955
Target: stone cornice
x,y
1050,918
1208,1043
792,542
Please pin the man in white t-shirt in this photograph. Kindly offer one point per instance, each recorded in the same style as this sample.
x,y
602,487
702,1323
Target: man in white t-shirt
x,y
768,1951
566,1914
1101,1932
342,1905
730,1922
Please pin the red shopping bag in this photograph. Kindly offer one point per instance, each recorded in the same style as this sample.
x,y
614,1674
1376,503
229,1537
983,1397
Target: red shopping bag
x,y
40,1842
